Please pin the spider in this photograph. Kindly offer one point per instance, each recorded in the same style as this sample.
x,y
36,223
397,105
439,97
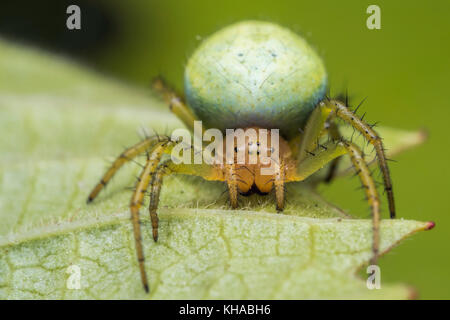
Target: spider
x,y
255,75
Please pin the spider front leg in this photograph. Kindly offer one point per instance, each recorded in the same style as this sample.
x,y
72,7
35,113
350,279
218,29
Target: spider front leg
x,y
153,175
126,156
343,112
168,167
370,189
153,159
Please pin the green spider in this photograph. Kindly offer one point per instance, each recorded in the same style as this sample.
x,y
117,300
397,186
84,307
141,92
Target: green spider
x,y
255,75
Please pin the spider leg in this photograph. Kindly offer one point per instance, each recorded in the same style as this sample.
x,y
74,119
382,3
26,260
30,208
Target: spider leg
x,y
315,161
319,123
370,189
312,132
335,135
126,156
341,111
331,151
137,199
167,167
152,175
232,183
279,185
175,101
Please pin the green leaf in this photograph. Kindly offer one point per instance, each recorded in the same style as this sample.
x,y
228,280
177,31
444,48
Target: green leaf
x,y
58,122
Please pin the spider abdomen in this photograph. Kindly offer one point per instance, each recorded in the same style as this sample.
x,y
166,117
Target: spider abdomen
x,y
254,74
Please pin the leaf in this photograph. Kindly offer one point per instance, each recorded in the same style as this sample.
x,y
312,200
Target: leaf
x,y
58,121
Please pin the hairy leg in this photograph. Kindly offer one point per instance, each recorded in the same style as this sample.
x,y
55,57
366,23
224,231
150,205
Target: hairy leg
x,y
314,128
126,156
342,111
153,175
142,184
370,189
168,167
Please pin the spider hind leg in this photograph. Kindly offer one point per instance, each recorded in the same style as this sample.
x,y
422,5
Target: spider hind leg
x,y
175,101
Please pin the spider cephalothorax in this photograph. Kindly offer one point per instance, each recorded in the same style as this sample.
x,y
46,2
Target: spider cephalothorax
x,y
255,76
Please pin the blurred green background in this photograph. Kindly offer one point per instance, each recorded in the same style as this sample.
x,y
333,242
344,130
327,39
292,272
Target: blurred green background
x,y
403,69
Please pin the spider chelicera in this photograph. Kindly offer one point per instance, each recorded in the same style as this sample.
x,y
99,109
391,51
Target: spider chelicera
x,y
256,75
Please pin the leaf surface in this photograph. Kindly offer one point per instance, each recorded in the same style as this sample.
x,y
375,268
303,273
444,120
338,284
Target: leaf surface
x,y
58,124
